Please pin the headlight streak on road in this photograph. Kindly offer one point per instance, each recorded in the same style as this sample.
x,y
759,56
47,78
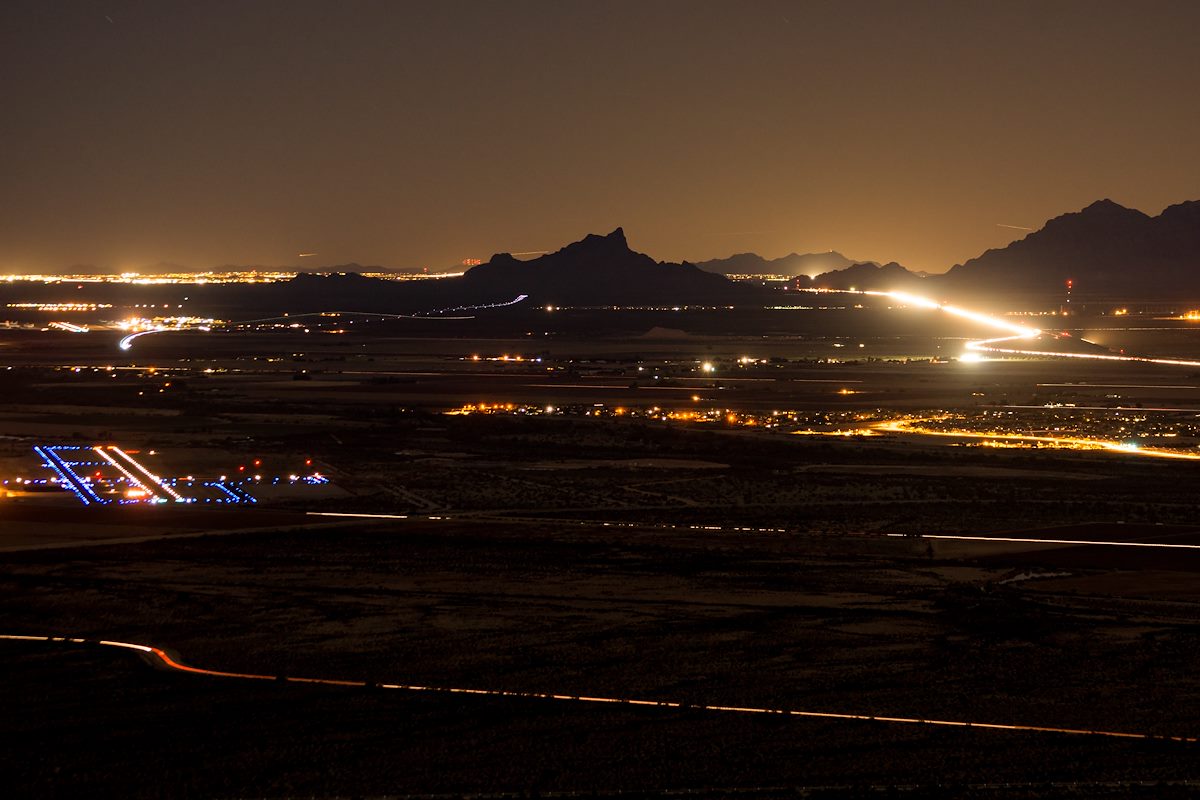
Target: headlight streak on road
x,y
354,515
740,529
987,345
1019,332
910,427
164,660
127,342
1020,540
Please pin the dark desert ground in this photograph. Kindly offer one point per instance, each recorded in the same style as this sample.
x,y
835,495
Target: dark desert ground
x,y
562,547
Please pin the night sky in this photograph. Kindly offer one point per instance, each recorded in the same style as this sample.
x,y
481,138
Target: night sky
x,y
420,134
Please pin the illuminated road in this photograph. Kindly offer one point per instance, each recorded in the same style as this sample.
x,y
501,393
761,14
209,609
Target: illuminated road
x,y
989,346
1003,345
160,658
476,516
126,343
1022,540
1067,442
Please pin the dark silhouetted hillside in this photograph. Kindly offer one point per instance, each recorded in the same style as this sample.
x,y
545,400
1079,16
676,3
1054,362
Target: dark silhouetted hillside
x,y
1105,249
602,270
791,264
886,277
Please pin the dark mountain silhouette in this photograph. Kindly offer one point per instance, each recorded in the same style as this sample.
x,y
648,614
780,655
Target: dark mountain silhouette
x,y
602,270
791,264
833,271
886,277
598,270
1105,249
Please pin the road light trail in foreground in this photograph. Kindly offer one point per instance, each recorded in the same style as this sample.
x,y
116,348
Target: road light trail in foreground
x,y
160,658
1068,442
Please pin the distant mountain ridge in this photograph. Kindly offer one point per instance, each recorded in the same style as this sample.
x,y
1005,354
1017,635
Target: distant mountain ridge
x,y
603,270
869,275
1104,248
791,264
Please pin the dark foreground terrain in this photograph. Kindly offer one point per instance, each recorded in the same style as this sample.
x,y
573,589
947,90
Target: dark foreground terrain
x,y
600,555
758,620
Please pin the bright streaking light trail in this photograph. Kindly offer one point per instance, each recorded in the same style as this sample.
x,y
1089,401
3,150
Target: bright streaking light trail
x,y
164,660
1018,331
989,345
977,349
127,342
1068,442
441,313
1015,330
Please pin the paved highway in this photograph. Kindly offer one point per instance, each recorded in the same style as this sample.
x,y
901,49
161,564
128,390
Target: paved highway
x,y
913,427
1003,345
163,660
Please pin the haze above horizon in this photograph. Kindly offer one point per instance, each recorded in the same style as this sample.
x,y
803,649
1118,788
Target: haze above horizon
x,y
420,135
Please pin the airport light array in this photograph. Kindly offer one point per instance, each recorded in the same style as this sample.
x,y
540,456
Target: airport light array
x,y
103,475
